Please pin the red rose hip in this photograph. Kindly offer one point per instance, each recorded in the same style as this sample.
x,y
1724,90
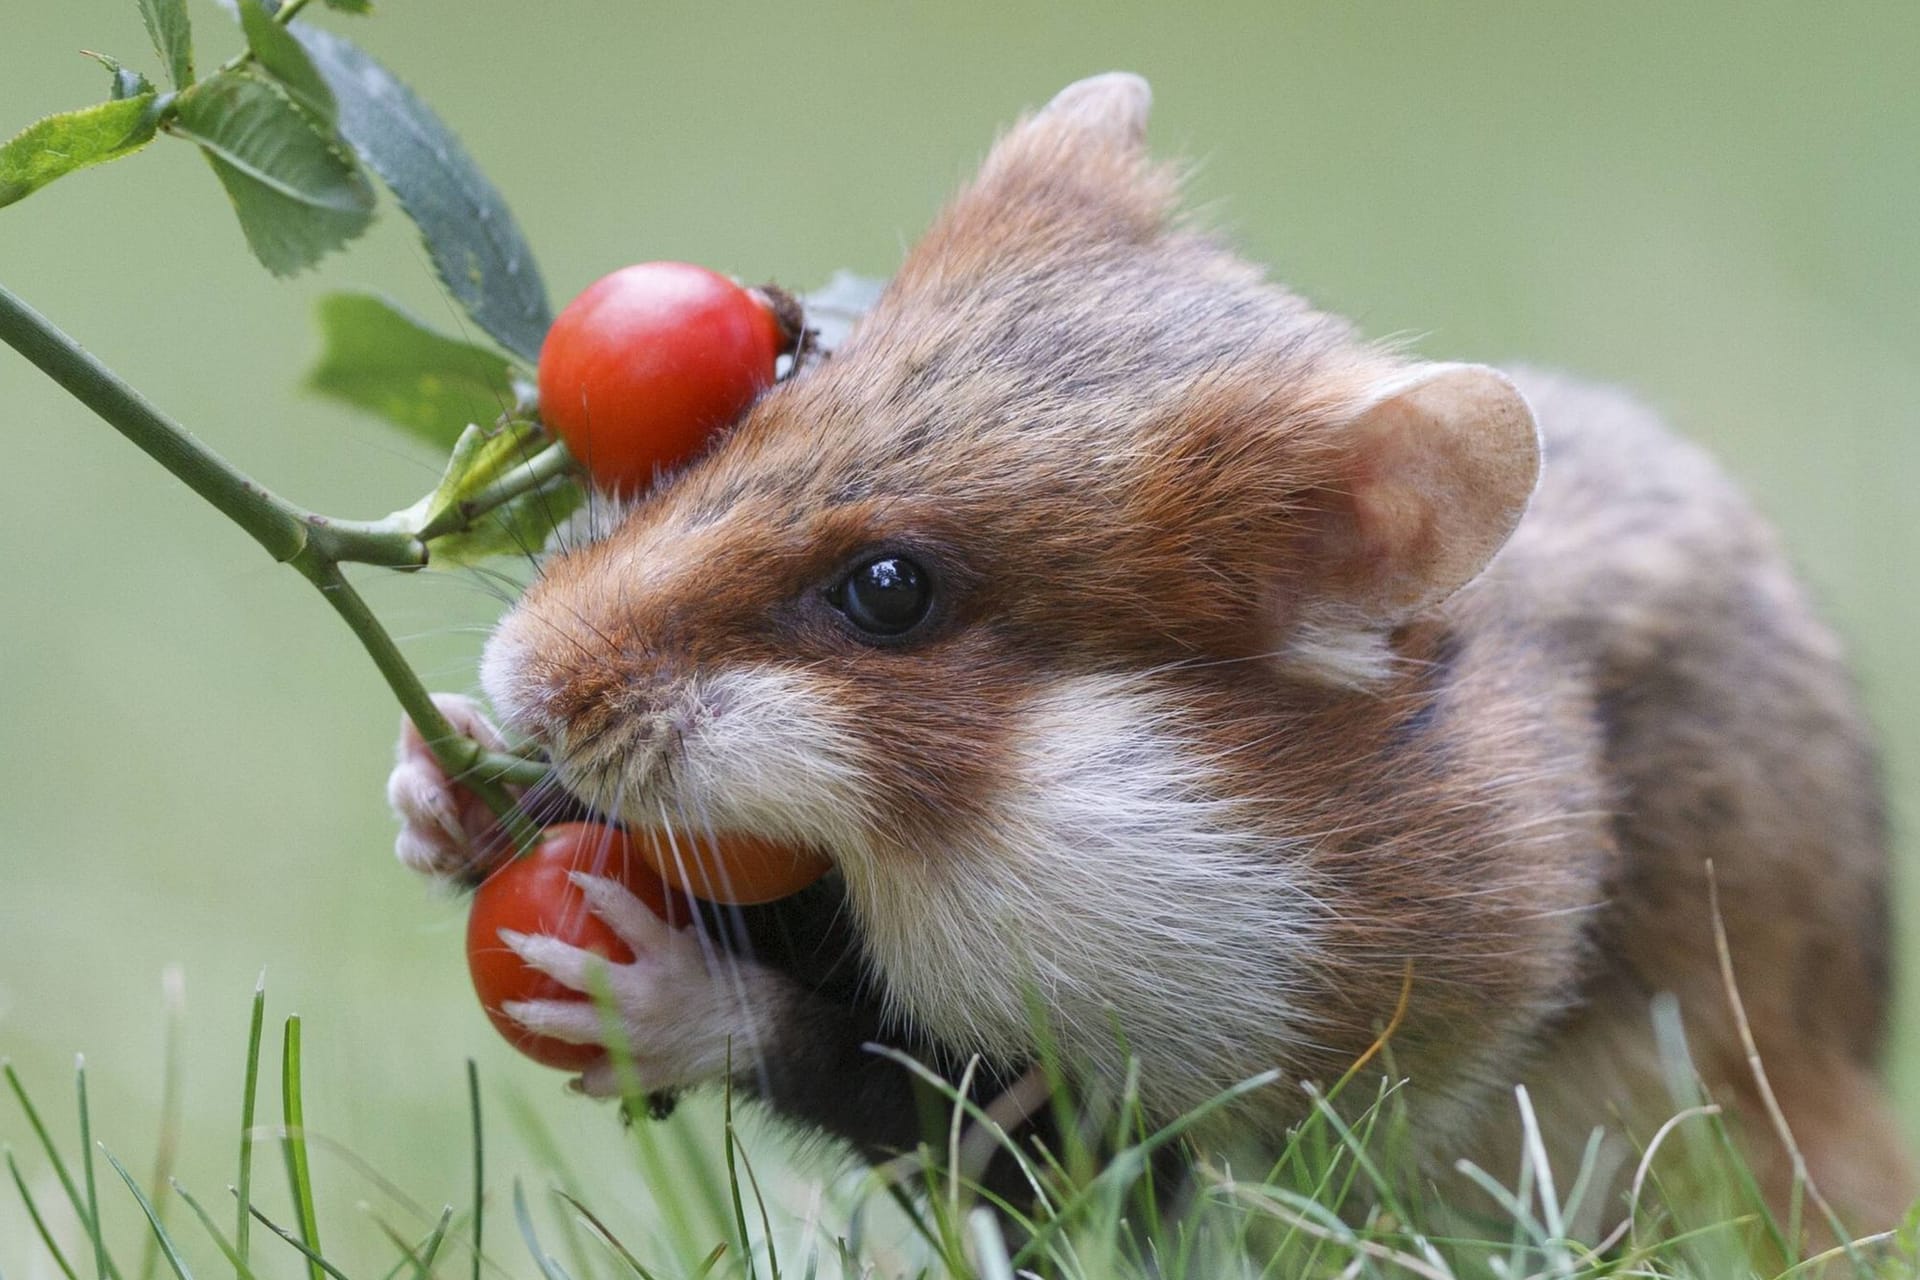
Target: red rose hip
x,y
533,894
641,369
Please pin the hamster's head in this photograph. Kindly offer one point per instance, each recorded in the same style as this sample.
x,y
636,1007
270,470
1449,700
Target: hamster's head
x,y
965,605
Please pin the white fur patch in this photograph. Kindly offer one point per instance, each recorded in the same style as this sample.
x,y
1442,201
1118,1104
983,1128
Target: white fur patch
x,y
504,678
764,754
1339,654
1115,887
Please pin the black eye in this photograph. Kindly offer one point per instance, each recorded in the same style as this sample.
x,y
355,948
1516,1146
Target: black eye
x,y
886,596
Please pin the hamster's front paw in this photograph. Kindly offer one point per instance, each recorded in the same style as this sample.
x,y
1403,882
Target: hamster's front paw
x,y
446,831
686,1010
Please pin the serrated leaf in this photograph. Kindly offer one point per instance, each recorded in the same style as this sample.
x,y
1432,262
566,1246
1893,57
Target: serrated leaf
x,y
378,358
58,145
832,309
276,50
298,194
172,34
477,248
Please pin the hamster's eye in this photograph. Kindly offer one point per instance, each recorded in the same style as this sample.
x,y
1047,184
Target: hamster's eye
x,y
887,596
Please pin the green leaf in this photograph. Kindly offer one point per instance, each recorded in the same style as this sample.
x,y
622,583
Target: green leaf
x,y
297,194
280,54
350,6
476,247
378,358
56,146
172,37
517,528
482,459
127,83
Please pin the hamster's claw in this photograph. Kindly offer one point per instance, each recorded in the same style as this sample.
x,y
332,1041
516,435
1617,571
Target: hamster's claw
x,y
446,831
682,1020
574,1021
643,994
631,920
570,966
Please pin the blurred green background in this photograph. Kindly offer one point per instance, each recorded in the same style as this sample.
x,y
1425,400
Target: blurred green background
x,y
1715,204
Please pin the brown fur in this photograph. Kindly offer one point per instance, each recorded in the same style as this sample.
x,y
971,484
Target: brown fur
x,y
1125,454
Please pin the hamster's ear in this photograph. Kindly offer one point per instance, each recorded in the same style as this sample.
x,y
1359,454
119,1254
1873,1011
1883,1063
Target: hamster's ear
x,y
1094,131
1063,184
1435,469
1112,106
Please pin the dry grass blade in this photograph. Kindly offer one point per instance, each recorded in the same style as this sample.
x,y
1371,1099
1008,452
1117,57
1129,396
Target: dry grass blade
x,y
607,1237
1775,1115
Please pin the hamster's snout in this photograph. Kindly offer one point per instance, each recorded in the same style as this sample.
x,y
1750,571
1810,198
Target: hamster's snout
x,y
646,737
574,686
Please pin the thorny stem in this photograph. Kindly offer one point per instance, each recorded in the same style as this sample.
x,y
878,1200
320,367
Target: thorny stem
x,y
315,545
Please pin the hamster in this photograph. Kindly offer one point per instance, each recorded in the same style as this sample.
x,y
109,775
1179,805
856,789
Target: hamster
x,y
1140,642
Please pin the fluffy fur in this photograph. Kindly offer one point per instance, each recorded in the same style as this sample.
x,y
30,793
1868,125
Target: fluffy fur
x,y
1201,747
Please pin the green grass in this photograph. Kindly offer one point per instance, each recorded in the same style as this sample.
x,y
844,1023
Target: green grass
x,y
1338,1200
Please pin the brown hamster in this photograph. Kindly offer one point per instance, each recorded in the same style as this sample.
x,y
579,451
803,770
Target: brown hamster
x,y
1131,634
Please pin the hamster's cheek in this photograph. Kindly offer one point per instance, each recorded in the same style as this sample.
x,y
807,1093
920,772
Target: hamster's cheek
x,y
768,750
1115,883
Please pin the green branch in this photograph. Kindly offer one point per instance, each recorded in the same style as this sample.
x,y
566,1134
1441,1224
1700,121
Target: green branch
x,y
549,464
460,756
315,545
273,522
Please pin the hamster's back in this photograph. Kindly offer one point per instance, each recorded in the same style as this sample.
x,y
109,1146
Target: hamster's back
x,y
1730,735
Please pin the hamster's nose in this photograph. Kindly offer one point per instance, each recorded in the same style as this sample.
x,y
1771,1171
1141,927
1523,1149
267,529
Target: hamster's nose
x,y
562,688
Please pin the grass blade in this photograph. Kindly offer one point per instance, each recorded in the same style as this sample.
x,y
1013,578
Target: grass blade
x,y
420,1259
554,1162
479,1162
86,1163
1130,1164
60,1169
431,1249
647,1138
313,1258
173,989
294,1143
243,1228
39,1223
733,1175
153,1218
241,1270
759,1201
612,1241
549,1265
